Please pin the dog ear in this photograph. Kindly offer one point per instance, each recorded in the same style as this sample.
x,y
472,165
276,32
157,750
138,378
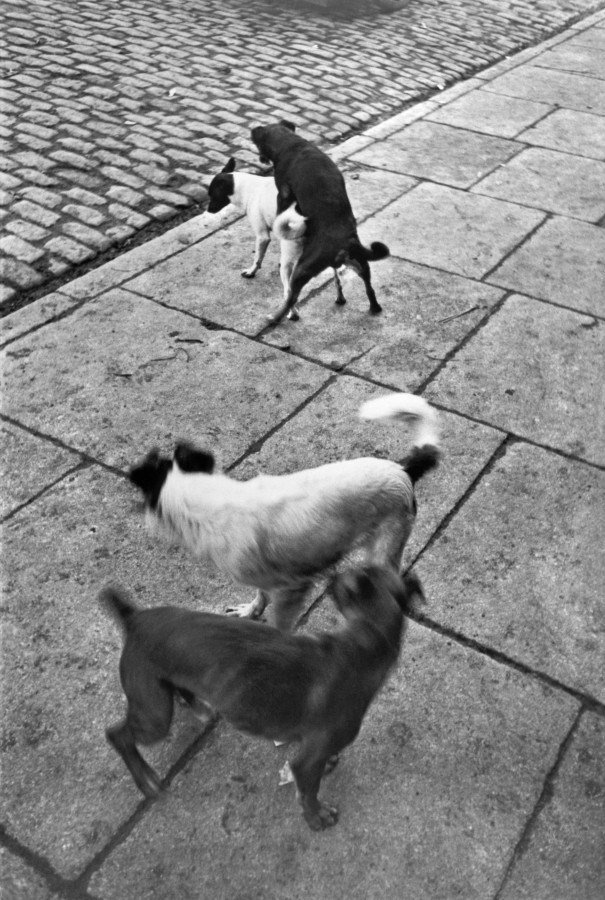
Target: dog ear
x,y
287,124
150,475
230,166
189,459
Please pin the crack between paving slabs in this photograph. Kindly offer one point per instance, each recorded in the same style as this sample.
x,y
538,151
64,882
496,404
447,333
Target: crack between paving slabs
x,y
542,802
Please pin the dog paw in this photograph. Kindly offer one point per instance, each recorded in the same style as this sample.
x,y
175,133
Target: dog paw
x,y
340,301
293,315
248,273
376,310
324,817
285,775
245,611
332,763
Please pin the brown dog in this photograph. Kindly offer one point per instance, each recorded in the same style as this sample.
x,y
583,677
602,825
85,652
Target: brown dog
x,y
314,689
306,175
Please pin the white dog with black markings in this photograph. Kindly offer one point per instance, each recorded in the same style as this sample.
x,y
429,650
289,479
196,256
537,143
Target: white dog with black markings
x,y
278,533
256,195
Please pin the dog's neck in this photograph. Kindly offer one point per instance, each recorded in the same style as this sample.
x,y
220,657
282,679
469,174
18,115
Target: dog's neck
x,y
245,189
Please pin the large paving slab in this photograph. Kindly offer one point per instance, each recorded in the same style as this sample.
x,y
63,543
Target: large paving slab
x,y
552,87
535,370
564,261
520,568
491,114
426,313
581,59
328,429
569,131
28,465
441,153
450,229
432,797
114,394
568,185
33,316
65,791
18,881
563,856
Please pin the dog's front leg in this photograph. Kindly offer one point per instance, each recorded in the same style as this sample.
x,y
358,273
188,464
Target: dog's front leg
x,y
253,610
287,605
308,770
262,242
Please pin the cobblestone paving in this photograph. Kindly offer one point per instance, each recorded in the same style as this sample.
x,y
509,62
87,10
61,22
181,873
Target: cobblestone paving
x,y
113,114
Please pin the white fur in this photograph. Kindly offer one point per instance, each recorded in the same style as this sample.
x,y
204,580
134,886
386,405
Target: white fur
x,y
257,197
278,532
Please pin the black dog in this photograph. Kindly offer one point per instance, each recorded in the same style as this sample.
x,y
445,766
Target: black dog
x,y
303,173
314,689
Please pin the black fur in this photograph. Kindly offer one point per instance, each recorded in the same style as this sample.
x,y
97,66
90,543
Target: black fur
x,y
314,689
150,476
306,173
190,459
220,189
421,460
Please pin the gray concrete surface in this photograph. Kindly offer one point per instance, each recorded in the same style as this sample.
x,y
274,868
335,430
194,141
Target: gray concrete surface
x,y
479,773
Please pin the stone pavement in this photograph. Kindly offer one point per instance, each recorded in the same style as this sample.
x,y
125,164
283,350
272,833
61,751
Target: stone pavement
x,y
480,770
114,114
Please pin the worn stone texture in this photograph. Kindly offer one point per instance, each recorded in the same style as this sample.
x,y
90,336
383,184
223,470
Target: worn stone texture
x,y
519,371
431,150
20,881
28,465
479,781
539,177
453,230
563,857
571,132
536,523
490,114
564,261
117,405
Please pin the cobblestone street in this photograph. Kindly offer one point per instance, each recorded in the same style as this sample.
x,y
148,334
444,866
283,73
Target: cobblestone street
x,y
114,115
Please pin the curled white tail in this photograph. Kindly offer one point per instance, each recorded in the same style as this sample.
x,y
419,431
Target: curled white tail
x,y
289,225
408,407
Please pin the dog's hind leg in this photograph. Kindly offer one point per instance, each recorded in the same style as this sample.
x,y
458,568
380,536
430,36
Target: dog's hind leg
x,y
340,297
252,610
262,242
306,268
363,270
290,253
150,707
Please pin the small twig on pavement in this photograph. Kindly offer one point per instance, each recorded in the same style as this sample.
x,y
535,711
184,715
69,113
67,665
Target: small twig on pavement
x,y
463,313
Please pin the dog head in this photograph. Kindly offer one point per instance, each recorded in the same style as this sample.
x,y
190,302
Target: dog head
x,y
270,138
220,189
376,594
150,475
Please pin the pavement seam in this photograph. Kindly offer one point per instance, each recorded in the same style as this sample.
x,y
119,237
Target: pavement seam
x,y
544,799
57,883
81,883
526,237
79,467
464,340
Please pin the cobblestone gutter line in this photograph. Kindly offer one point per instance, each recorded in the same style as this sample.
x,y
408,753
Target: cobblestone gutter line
x,y
114,113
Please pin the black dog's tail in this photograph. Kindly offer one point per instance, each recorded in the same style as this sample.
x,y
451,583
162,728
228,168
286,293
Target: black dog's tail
x,y
117,603
374,252
408,407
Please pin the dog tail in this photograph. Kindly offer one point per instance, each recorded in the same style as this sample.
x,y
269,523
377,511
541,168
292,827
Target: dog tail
x,y
117,603
289,225
424,455
374,252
